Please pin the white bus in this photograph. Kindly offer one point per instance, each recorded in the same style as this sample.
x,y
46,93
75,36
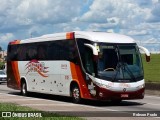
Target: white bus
x,y
88,65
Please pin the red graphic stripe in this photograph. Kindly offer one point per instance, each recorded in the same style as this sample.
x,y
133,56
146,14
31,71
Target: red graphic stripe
x,y
78,77
16,72
41,74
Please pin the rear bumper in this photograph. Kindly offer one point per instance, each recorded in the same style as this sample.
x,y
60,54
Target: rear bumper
x,y
112,95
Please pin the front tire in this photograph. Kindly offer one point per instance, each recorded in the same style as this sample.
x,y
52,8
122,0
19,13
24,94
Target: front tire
x,y
76,97
24,88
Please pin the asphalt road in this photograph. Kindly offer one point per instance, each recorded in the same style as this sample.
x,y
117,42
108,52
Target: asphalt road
x,y
92,109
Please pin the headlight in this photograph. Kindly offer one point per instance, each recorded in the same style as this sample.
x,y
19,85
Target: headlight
x,y
141,86
102,85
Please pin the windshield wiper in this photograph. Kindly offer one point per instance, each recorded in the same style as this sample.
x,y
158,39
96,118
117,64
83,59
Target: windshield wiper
x,y
125,68
123,65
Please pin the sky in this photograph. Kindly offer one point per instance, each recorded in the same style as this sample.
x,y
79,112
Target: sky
x,y
140,19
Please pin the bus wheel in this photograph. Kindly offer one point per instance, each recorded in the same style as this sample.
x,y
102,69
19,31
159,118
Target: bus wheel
x,y
24,88
76,94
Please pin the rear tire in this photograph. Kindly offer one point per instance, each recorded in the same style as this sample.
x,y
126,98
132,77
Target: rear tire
x,y
24,88
76,97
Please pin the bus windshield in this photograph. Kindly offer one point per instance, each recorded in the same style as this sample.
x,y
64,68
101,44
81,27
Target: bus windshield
x,y
119,63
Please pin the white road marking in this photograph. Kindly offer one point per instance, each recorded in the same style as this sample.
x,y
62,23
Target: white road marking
x,y
157,117
26,98
152,96
152,104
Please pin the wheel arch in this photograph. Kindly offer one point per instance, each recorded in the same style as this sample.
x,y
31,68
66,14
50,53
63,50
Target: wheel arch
x,y
23,79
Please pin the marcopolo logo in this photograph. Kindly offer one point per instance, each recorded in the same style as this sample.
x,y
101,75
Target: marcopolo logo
x,y
36,66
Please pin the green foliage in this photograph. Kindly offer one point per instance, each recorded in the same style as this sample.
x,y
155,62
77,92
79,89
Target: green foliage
x,y
1,64
152,68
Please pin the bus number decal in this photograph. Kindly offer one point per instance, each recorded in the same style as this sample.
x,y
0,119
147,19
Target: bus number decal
x,y
63,66
66,77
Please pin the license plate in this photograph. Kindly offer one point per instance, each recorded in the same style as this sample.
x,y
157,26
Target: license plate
x,y
124,95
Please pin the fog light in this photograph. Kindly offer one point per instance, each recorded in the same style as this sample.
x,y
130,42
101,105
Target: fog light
x,y
101,94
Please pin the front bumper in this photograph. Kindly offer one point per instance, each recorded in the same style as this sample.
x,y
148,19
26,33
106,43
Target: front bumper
x,y
105,94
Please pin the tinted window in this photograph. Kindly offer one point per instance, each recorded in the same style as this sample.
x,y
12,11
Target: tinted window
x,y
42,51
31,52
52,50
21,49
12,52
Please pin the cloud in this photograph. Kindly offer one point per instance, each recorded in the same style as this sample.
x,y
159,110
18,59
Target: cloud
x,y
144,3
137,33
151,41
22,19
152,44
155,16
126,14
138,19
24,13
5,38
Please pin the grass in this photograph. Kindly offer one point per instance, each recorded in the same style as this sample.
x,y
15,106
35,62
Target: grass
x,y
152,69
9,107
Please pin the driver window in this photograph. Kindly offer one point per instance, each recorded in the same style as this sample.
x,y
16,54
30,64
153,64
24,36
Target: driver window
x,y
88,61
107,59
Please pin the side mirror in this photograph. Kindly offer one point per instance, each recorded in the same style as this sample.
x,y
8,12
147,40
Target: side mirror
x,y
95,51
147,53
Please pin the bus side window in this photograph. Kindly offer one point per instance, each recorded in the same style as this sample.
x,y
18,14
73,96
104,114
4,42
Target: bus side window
x,y
68,50
13,56
21,52
32,53
73,54
53,51
41,55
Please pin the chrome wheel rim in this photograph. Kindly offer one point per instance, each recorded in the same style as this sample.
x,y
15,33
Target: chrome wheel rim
x,y
24,88
76,93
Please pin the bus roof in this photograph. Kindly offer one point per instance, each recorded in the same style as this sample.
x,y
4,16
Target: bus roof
x,y
92,36
104,37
